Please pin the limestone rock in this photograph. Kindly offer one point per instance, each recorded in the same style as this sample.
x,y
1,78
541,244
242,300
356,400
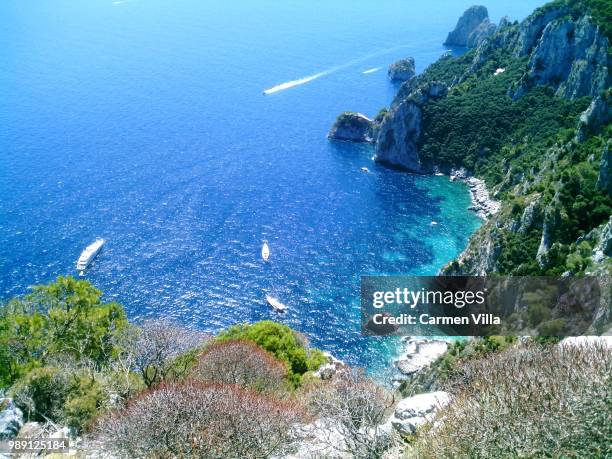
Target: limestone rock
x,y
396,144
571,56
531,28
354,127
402,70
466,25
604,182
412,412
419,354
329,369
485,29
399,132
11,419
593,118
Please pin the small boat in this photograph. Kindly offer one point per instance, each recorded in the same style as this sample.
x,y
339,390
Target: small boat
x,y
265,251
365,169
276,305
88,255
433,223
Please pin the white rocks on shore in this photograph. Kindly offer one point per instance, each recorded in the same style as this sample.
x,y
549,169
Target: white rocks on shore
x,y
329,369
412,412
419,354
482,203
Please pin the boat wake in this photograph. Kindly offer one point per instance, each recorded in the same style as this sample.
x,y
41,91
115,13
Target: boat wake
x,y
375,69
308,79
292,83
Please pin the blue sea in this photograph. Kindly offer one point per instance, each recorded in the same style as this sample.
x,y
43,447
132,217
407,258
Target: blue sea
x,y
144,122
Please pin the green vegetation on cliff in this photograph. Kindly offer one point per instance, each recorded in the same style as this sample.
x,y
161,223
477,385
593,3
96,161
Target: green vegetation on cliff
x,y
529,146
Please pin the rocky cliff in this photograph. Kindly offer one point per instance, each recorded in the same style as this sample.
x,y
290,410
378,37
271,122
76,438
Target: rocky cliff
x,y
472,24
526,110
353,127
402,70
400,130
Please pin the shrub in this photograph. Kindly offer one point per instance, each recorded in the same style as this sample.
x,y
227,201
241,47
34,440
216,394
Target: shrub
x,y
165,350
527,401
200,419
282,342
355,407
241,362
41,394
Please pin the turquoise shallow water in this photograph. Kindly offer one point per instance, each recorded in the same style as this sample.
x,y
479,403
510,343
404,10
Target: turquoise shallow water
x,y
144,122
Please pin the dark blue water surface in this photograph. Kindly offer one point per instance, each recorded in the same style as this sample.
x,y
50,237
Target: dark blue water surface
x,y
144,122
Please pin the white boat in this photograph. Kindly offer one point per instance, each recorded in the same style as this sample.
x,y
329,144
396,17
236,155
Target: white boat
x,y
89,254
276,305
365,169
265,251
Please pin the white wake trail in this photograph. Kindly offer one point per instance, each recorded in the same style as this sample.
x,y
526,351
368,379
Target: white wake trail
x,y
308,79
292,83
375,69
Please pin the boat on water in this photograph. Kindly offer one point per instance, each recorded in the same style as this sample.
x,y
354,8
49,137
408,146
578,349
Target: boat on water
x,y
88,255
265,251
365,169
276,305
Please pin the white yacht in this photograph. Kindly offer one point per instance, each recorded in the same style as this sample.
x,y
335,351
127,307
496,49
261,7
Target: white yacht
x,y
89,254
265,251
276,305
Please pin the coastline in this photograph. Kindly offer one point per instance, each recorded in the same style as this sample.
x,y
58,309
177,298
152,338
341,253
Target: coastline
x,y
416,353
482,203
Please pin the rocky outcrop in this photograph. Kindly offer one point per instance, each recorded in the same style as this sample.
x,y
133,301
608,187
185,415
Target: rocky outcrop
x,y
571,56
11,419
419,353
484,30
396,144
329,369
467,24
412,412
482,204
593,118
402,70
604,181
353,127
531,28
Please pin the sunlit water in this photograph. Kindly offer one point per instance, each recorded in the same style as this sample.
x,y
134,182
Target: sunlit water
x,y
144,122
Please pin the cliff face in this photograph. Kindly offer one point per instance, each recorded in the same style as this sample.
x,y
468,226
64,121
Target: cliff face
x,y
352,127
570,56
527,110
473,23
402,70
400,130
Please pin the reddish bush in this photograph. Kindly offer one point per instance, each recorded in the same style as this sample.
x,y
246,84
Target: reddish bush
x,y
200,419
241,362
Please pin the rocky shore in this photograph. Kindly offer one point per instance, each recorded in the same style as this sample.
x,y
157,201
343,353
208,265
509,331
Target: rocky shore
x,y
482,203
419,353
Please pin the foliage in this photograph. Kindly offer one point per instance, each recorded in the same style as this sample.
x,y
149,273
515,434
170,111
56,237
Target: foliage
x,y
164,350
64,318
282,342
199,419
449,363
354,406
53,394
529,401
244,363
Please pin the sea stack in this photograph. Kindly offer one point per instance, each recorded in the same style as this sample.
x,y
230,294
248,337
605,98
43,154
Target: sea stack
x,y
475,20
402,70
353,127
